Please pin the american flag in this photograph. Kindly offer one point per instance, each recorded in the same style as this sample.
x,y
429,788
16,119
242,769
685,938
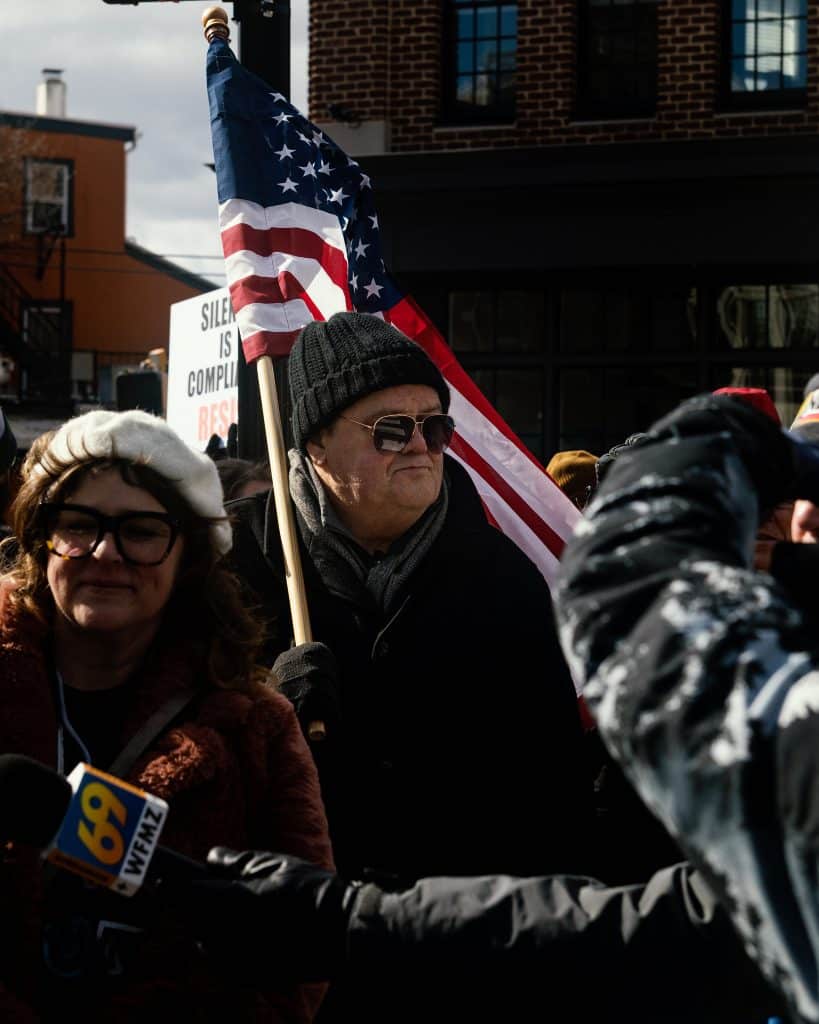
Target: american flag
x,y
301,240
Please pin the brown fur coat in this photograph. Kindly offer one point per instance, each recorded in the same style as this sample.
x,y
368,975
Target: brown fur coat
x,y
235,771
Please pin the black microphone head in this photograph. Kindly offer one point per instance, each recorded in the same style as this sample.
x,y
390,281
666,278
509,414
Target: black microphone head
x,y
33,800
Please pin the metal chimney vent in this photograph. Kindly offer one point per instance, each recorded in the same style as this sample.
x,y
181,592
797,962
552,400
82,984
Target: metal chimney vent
x,y
51,94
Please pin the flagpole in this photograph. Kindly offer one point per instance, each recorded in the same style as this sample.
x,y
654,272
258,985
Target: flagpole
x,y
302,634
215,23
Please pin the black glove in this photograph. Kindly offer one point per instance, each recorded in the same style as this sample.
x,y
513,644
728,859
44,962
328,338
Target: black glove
x,y
266,915
308,678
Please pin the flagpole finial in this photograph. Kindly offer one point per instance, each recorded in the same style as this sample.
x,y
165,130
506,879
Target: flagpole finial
x,y
215,24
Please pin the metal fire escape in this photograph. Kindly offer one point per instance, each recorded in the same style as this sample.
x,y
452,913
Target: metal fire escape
x,y
38,342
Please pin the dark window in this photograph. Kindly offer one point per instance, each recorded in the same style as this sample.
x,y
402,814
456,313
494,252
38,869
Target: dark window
x,y
768,316
480,56
46,360
617,58
645,318
48,194
496,321
600,406
765,58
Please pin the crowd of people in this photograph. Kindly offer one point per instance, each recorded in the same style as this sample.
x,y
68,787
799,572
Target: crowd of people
x,y
460,844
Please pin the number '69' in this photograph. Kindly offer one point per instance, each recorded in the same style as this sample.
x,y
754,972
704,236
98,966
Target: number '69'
x,y
104,841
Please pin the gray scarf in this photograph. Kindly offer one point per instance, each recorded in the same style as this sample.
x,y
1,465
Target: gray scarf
x,y
344,566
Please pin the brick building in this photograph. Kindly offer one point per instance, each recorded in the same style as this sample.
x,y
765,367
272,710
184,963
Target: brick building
x,y
605,205
78,300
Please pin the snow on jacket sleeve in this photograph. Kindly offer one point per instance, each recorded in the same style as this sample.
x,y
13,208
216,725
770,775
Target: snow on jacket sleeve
x,y
702,676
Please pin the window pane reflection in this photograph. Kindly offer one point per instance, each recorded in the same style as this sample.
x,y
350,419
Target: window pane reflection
x,y
768,45
769,316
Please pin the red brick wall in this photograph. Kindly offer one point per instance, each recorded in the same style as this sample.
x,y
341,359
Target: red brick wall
x,y
381,58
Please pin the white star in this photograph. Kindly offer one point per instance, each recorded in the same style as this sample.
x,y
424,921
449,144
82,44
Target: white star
x,y
288,186
354,282
318,138
284,152
351,162
344,223
365,181
373,289
278,98
374,220
303,138
308,170
324,167
282,118
361,249
336,196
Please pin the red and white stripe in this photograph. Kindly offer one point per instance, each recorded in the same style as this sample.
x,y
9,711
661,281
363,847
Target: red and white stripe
x,y
287,265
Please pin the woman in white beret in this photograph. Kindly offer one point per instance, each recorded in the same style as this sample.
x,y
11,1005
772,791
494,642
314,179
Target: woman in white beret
x,y
124,644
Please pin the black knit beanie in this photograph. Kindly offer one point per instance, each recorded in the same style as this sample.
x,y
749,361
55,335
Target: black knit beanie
x,y
335,362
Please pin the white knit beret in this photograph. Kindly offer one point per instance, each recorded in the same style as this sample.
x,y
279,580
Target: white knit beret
x,y
141,437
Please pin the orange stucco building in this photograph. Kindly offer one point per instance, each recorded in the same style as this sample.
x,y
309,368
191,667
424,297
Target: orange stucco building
x,y
76,298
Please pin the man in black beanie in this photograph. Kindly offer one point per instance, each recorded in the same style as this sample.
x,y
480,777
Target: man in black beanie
x,y
453,739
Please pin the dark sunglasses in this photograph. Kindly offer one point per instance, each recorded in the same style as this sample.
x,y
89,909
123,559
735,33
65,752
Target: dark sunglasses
x,y
392,433
75,531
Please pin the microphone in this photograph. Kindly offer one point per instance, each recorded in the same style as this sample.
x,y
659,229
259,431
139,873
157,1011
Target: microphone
x,y
91,823
33,801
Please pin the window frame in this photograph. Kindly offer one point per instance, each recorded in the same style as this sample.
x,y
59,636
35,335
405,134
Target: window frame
x,y
452,112
67,205
588,107
762,99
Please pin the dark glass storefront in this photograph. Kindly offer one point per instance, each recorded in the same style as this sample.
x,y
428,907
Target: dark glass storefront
x,y
582,360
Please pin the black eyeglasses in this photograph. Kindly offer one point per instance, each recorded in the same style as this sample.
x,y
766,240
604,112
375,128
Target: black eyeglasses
x,y
392,433
75,531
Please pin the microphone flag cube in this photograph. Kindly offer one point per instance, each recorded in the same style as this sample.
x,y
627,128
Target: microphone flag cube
x,y
110,830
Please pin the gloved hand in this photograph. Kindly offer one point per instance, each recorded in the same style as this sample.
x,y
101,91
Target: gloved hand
x,y
268,915
308,678
766,450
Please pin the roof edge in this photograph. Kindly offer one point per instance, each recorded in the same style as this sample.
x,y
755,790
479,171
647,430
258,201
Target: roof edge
x,y
165,266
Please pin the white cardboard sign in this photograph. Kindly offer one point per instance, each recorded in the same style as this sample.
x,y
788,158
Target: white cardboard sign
x,y
203,350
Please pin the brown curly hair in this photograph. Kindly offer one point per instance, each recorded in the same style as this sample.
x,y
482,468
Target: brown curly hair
x,y
206,604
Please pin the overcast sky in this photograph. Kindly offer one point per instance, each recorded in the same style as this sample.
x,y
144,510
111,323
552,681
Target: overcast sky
x,y
142,66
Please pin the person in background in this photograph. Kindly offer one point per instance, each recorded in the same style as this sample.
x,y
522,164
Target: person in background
x,y
124,643
241,478
811,386
776,526
794,560
573,472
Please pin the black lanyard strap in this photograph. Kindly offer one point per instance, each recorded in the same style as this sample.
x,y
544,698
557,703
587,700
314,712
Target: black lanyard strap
x,y
150,729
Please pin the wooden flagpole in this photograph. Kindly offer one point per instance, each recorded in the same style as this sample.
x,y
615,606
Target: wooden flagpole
x,y
215,23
